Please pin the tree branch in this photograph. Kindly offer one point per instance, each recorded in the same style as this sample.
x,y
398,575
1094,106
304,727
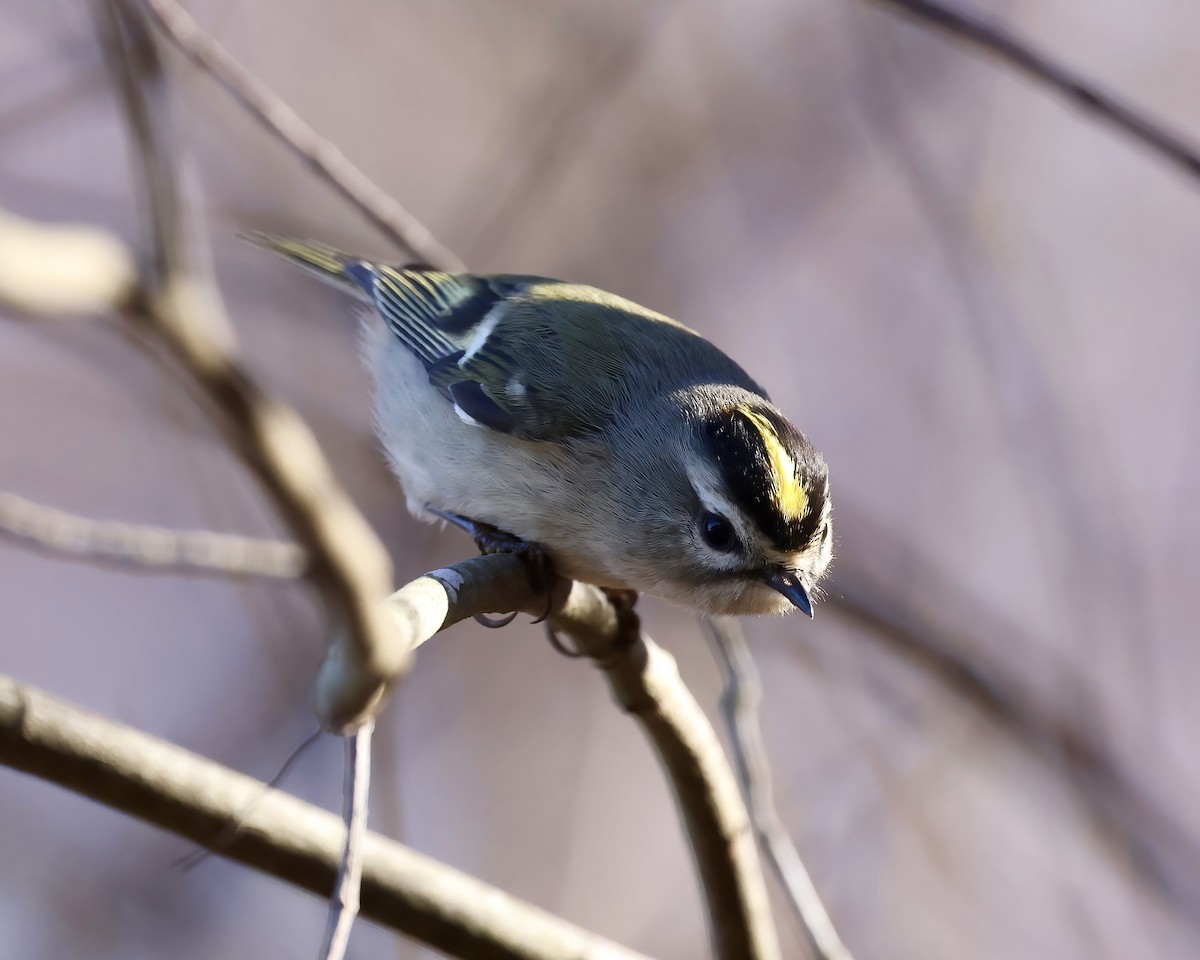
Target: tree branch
x,y
642,676
181,308
62,269
990,37
322,155
740,702
645,682
145,547
195,798
347,889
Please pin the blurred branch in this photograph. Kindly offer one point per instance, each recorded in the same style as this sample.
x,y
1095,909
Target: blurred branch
x,y
345,902
562,117
988,36
1164,853
1136,830
320,154
645,682
280,835
54,98
62,269
740,702
181,308
145,547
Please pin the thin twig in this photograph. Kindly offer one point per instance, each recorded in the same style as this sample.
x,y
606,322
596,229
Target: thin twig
x,y
195,798
145,547
990,37
193,859
320,154
182,309
344,904
740,702
560,122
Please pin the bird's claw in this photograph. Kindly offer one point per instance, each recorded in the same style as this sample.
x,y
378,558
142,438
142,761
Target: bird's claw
x,y
492,540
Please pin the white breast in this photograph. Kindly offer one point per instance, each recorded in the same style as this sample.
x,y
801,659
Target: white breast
x,y
446,460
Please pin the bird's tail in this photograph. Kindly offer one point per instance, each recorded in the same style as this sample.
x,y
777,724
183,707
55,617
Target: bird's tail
x,y
324,262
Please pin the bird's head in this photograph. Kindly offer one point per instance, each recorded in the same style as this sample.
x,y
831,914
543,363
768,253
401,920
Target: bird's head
x,y
750,530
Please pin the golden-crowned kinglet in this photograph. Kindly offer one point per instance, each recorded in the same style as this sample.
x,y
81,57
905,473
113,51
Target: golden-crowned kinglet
x,y
632,450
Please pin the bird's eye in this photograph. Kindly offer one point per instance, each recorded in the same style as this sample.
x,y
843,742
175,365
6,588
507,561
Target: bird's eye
x,y
718,532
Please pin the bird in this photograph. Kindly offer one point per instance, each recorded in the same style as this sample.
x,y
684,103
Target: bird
x,y
630,449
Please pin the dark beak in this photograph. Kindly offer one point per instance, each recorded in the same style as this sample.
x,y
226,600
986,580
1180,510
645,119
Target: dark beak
x,y
788,583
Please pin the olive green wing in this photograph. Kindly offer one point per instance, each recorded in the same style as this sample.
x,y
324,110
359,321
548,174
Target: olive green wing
x,y
468,333
535,358
557,361
533,364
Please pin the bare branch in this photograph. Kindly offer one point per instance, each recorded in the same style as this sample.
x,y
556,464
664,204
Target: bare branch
x,y
642,676
645,682
740,701
280,835
183,310
320,154
62,269
990,37
553,129
344,904
147,548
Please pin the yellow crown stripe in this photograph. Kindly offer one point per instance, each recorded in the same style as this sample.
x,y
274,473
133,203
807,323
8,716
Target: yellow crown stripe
x,y
791,496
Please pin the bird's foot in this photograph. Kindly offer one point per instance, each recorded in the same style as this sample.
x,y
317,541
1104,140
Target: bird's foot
x,y
491,540
628,628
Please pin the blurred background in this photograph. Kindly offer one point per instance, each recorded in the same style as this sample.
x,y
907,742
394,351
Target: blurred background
x,y
981,307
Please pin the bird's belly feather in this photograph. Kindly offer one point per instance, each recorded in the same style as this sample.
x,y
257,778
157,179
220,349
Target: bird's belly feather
x,y
444,462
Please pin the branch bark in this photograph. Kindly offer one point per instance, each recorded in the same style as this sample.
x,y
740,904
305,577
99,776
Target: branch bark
x,y
180,307
645,682
158,783
62,270
740,702
144,547
195,798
